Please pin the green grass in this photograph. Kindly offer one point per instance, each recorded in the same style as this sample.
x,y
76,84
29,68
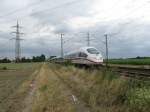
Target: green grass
x,y
130,61
18,65
138,96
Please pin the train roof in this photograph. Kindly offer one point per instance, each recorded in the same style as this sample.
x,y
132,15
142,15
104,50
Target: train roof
x,y
85,48
80,49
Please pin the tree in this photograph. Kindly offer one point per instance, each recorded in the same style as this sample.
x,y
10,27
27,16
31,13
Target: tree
x,y
39,58
26,59
5,60
42,57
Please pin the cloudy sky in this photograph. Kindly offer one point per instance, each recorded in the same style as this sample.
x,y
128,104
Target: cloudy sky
x,y
127,23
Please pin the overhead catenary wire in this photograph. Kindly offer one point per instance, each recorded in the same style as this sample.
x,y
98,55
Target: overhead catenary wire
x,y
68,3
126,22
119,20
20,9
45,10
59,6
126,15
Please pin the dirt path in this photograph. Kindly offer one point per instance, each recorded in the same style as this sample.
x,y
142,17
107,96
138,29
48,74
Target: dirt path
x,y
66,93
29,98
79,105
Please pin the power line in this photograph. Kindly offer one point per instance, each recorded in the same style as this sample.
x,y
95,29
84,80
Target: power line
x,y
68,3
126,16
128,22
49,9
17,42
18,10
59,6
135,9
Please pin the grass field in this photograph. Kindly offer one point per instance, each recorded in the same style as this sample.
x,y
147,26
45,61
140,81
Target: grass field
x,y
130,61
31,87
18,65
10,85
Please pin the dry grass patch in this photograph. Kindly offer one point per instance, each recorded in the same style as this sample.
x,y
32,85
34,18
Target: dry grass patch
x,y
14,89
102,91
51,95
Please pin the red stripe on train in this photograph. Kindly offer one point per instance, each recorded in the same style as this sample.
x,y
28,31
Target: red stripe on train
x,y
84,59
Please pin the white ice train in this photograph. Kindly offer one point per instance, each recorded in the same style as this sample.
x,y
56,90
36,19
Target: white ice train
x,y
85,56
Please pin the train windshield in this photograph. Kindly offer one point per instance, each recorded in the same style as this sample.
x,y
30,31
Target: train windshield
x,y
92,51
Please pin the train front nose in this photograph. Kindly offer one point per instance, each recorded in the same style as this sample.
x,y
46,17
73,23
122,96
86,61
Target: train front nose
x,y
99,58
96,59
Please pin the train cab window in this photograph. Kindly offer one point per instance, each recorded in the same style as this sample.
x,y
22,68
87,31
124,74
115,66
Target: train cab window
x,y
92,51
81,54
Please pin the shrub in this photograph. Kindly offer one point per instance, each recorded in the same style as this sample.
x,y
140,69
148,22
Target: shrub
x,y
4,68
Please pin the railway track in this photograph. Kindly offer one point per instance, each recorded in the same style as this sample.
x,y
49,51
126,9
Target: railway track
x,y
137,73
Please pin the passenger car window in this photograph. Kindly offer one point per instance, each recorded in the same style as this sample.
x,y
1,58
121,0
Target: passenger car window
x,y
92,51
81,54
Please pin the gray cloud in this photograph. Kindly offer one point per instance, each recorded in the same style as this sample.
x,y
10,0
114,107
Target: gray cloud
x,y
47,19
